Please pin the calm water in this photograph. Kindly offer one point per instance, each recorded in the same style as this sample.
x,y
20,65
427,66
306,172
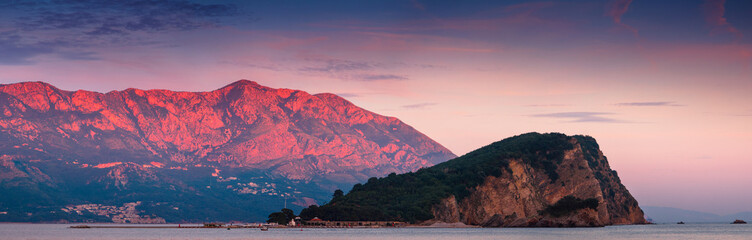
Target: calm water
x,y
660,231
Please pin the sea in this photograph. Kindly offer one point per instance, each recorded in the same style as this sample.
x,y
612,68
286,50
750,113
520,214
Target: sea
x,y
654,231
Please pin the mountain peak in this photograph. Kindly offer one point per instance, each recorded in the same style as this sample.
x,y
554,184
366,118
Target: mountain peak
x,y
243,82
30,85
244,85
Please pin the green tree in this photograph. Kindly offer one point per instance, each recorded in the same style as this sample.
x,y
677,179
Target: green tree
x,y
279,218
282,217
337,195
310,212
289,214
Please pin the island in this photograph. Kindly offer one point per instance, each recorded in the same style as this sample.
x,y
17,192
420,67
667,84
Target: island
x,y
529,180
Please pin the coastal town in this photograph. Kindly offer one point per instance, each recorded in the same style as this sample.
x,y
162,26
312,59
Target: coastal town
x,y
295,223
123,214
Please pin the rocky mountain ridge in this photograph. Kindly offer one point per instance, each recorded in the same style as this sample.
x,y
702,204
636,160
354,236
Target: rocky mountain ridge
x,y
245,138
243,124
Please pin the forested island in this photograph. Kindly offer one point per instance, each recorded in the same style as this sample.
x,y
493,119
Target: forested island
x,y
530,180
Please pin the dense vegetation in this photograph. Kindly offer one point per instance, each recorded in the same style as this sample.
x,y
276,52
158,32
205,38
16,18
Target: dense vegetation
x,y
410,196
282,217
568,205
28,201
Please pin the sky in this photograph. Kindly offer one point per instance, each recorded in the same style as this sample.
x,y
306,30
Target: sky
x,y
664,86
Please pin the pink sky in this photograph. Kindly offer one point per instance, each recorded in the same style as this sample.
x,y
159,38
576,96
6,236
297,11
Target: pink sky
x,y
673,116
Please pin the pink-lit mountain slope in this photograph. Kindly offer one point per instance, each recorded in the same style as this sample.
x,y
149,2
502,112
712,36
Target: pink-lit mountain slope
x,y
275,133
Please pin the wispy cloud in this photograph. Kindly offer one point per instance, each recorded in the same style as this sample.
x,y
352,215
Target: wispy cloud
x,y
419,105
547,105
122,17
418,5
616,9
581,116
78,55
15,52
355,70
714,11
650,104
744,114
347,95
515,16
67,27
337,65
381,77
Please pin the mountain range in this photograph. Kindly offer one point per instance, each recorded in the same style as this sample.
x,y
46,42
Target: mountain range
x,y
235,153
674,215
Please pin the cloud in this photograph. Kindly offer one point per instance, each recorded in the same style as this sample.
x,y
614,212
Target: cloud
x,y
427,32
266,66
354,70
65,27
714,11
547,105
381,77
744,114
581,116
322,63
337,65
347,95
122,17
419,105
418,5
14,52
281,43
48,20
616,9
83,56
649,104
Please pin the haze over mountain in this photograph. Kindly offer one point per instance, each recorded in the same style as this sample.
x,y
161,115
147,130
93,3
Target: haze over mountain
x,y
674,215
242,149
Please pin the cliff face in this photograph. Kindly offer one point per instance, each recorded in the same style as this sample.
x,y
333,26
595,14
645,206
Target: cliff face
x,y
520,195
530,180
249,140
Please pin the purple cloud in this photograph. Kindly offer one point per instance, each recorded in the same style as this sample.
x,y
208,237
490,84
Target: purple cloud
x,y
581,116
714,11
16,52
347,95
338,65
650,104
547,105
381,77
419,105
616,10
65,27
